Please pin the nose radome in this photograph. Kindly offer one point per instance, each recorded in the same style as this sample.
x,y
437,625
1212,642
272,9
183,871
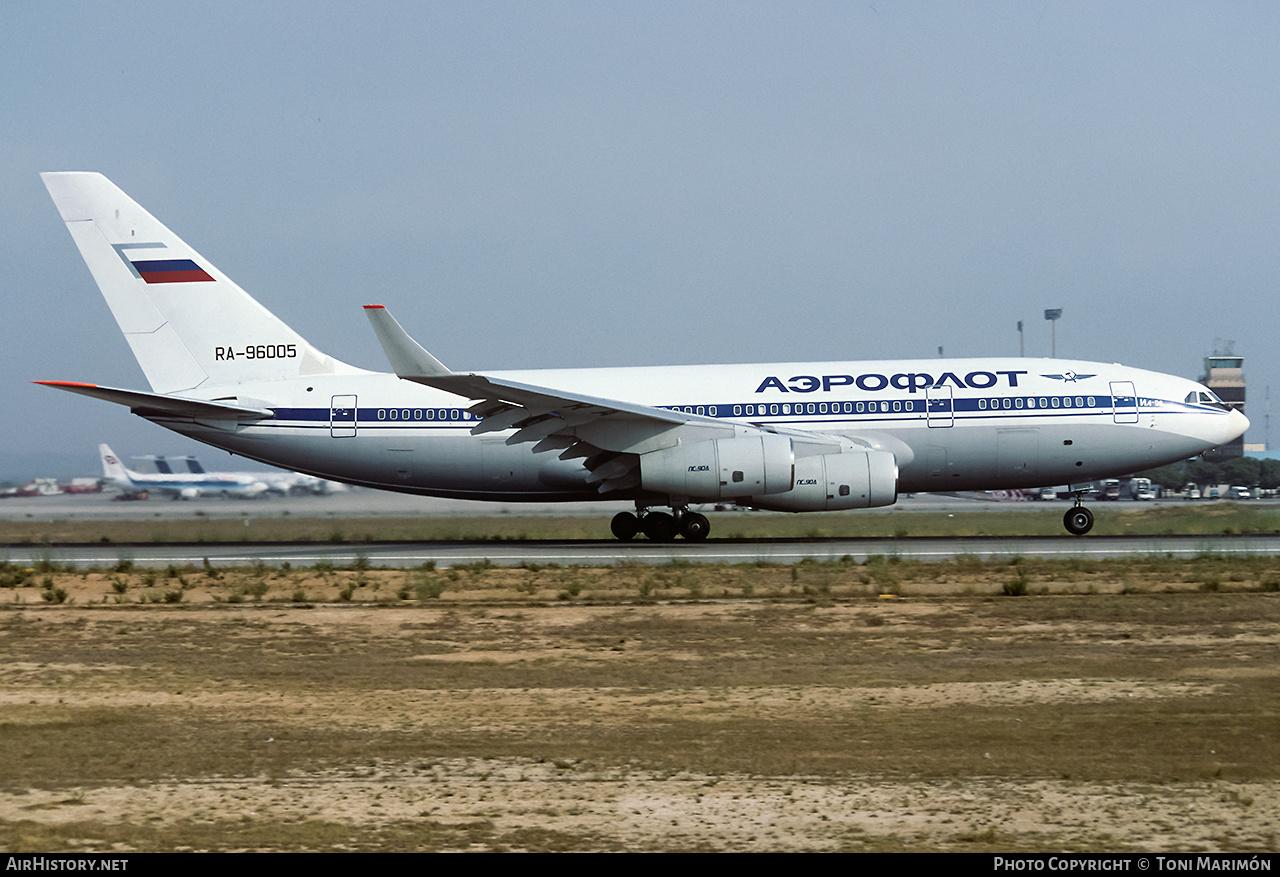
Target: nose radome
x,y
1236,425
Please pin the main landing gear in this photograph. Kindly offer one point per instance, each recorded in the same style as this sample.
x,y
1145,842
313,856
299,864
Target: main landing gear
x,y
1078,520
660,526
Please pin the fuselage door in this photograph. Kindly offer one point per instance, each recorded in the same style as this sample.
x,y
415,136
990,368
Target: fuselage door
x,y
940,406
342,417
1017,456
1124,402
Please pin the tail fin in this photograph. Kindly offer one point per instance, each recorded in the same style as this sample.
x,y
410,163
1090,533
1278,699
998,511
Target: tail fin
x,y
112,468
188,325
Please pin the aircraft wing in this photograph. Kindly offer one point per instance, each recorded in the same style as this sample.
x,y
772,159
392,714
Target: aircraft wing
x,y
608,433
411,362
152,404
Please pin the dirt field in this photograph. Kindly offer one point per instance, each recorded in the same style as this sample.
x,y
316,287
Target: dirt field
x,y
1114,707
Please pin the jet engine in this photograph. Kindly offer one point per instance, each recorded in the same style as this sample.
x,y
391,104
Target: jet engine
x,y
830,482
720,468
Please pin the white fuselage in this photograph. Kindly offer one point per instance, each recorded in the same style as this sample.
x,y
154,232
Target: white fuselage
x,y
951,424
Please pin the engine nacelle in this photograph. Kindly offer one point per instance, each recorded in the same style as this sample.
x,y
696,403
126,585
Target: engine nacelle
x,y
721,468
831,482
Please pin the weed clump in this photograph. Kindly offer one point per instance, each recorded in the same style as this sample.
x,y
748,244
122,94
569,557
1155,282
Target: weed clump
x,y
426,584
1017,586
53,595
13,576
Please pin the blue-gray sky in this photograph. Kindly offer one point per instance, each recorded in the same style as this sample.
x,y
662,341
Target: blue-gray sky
x,y
591,183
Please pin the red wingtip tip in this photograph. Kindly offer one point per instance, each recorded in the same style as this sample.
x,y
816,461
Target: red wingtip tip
x,y
64,384
375,307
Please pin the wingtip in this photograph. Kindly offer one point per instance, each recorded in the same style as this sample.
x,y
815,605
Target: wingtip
x,y
375,307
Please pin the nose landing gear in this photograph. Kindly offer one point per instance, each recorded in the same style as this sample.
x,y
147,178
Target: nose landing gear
x,y
1078,520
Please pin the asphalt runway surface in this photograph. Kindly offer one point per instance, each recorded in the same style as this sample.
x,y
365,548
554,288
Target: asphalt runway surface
x,y
346,503
609,552
374,504
358,503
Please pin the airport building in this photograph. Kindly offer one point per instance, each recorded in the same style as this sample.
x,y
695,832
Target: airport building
x,y
1224,374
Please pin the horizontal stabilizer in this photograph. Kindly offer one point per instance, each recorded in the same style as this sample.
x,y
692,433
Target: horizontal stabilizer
x,y
145,404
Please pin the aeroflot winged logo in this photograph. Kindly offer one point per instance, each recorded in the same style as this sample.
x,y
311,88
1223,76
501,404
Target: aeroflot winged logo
x,y
1069,377
160,270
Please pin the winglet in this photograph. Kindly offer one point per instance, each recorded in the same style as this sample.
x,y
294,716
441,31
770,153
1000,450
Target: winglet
x,y
406,356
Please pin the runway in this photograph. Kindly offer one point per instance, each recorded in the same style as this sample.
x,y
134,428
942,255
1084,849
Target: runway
x,y
610,553
358,503
606,552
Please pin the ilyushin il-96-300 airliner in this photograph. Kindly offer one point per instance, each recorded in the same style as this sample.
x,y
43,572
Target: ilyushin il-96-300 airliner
x,y
799,437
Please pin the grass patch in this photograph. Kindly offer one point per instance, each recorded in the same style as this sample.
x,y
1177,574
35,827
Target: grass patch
x,y
812,581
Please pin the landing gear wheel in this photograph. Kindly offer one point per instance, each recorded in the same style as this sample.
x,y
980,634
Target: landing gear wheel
x,y
1078,521
659,526
694,527
624,526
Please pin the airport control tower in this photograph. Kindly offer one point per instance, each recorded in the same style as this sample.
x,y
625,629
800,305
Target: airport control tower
x,y
1224,374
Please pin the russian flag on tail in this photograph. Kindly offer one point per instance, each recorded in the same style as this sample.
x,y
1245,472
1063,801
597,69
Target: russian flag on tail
x,y
170,271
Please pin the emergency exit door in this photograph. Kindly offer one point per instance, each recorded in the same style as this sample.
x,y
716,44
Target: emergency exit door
x,y
342,417
1124,402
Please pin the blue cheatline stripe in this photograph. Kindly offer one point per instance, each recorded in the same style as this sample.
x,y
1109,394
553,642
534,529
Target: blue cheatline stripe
x,y
878,411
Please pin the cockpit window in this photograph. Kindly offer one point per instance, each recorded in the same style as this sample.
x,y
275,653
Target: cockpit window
x,y
1205,397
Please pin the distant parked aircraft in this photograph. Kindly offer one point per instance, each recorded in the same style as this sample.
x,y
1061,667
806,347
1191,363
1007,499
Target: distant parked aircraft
x,y
281,483
187,485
